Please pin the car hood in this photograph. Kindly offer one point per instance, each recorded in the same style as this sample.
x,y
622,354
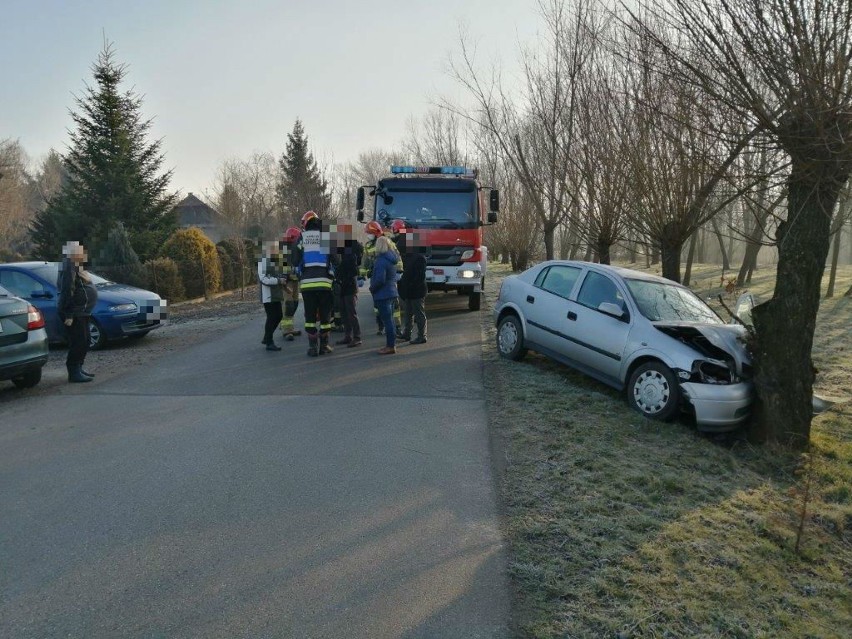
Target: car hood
x,y
122,294
724,342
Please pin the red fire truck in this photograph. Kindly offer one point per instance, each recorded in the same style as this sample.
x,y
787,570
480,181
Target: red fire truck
x,y
447,207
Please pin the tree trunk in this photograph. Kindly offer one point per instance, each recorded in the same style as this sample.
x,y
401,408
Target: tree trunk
x,y
655,253
603,250
835,254
549,236
504,258
631,251
784,372
588,256
671,243
523,260
726,264
687,276
701,246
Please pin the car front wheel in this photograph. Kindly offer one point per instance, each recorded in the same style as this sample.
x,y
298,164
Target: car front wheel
x,y
653,391
96,335
510,338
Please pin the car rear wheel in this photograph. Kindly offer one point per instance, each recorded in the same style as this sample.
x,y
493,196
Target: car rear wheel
x,y
654,392
96,335
510,338
28,379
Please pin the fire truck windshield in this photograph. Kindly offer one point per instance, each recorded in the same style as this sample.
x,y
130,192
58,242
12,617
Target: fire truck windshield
x,y
433,208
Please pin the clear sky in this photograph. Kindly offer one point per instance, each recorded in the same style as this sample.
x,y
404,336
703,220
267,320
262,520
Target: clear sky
x,y
223,79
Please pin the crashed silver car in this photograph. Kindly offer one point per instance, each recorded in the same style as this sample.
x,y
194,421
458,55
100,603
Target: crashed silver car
x,y
648,336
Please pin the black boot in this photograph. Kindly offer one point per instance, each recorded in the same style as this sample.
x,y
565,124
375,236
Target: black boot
x,y
324,349
312,346
86,373
271,346
75,375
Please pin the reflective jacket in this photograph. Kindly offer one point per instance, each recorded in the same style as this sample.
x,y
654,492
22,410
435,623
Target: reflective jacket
x,y
315,268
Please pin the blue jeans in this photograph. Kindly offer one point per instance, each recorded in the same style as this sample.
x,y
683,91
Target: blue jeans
x,y
386,314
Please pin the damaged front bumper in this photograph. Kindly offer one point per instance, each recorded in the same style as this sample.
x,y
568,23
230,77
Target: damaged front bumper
x,y
719,407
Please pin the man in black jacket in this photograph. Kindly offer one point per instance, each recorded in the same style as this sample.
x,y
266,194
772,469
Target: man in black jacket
x,y
412,289
347,281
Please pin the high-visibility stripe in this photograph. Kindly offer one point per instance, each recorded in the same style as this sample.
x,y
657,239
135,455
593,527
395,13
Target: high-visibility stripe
x,y
318,285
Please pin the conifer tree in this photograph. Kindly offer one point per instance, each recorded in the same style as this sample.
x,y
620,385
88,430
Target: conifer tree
x,y
301,185
114,173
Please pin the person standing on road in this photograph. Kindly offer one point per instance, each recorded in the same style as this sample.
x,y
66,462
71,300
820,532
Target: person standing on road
x,y
316,275
384,290
347,279
290,259
77,298
412,288
374,232
270,273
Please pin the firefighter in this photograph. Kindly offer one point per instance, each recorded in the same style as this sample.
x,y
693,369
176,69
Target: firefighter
x,y
374,231
290,258
316,275
397,237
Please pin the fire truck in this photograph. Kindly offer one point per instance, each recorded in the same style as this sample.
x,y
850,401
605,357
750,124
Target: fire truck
x,y
447,208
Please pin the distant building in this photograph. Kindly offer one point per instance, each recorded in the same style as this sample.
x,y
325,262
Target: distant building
x,y
193,212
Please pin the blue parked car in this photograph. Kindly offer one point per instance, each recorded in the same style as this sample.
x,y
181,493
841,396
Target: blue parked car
x,y
121,311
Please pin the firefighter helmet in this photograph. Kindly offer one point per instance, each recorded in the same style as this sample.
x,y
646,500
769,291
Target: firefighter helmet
x,y
398,226
310,215
374,228
292,235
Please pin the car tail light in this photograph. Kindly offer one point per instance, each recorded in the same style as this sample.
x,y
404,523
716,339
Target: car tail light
x,y
34,318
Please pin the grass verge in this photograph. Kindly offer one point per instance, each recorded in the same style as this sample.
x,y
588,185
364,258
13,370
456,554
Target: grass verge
x,y
623,527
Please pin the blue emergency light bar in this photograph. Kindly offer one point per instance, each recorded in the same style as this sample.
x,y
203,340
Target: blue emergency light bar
x,y
432,170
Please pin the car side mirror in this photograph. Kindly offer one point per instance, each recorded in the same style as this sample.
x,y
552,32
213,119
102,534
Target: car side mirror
x,y
494,200
612,309
359,200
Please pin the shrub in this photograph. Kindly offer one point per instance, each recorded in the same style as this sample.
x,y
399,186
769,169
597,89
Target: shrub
x,y
197,261
228,269
117,261
163,278
241,254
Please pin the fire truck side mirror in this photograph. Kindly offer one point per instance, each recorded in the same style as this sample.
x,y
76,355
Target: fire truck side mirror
x,y
492,217
361,216
359,202
494,200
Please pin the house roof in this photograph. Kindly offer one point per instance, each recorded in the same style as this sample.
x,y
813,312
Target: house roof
x,y
193,212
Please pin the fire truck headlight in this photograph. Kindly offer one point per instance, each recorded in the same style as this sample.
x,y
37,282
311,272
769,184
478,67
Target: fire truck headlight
x,y
467,255
468,274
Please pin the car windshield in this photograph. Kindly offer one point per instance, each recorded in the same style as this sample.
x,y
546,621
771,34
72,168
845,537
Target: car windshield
x,y
661,302
50,272
433,208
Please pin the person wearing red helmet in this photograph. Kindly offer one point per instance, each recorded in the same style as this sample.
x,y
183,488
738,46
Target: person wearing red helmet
x,y
316,274
289,259
310,215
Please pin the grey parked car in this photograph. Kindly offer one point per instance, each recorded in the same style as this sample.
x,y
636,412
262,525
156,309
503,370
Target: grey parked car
x,y
640,333
23,341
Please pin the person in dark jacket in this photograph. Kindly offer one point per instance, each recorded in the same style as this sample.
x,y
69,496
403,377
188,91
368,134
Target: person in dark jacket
x,y
412,291
347,279
384,291
77,298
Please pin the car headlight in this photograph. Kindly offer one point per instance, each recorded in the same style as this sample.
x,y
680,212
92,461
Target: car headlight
x,y
468,274
123,308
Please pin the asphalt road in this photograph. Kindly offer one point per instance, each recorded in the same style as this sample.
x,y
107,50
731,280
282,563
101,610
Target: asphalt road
x,y
226,491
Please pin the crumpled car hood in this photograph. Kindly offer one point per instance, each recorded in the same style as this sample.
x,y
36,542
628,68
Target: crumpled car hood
x,y
726,337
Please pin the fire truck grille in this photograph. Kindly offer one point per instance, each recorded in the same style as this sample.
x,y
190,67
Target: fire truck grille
x,y
447,255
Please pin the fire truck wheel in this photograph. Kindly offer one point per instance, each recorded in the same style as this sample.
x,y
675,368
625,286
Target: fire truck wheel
x,y
474,301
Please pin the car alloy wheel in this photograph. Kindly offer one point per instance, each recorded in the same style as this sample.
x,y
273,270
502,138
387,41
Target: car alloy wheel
x,y
96,335
510,338
653,391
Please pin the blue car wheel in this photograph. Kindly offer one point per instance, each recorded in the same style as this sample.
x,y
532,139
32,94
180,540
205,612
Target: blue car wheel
x,y
96,335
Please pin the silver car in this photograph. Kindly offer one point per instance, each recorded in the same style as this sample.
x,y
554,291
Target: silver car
x,y
648,336
23,341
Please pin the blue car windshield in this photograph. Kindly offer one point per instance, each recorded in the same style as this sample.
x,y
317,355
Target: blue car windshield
x,y
433,208
661,302
50,272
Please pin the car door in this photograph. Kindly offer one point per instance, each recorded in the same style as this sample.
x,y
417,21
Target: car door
x,y
30,288
596,339
548,300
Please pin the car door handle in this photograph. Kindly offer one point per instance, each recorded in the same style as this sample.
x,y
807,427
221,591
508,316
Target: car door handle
x,y
572,316
530,299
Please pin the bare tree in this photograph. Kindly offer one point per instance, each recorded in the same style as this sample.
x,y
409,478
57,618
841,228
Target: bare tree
x,y
784,66
16,206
